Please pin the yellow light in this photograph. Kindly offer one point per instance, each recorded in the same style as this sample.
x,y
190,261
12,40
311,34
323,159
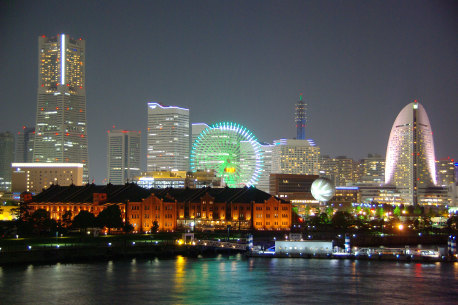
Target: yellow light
x,y
229,169
400,227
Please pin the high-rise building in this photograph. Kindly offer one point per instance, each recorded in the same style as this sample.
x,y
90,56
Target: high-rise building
x,y
410,158
341,170
372,170
445,172
299,157
24,145
196,129
301,118
167,138
264,177
61,131
6,158
123,156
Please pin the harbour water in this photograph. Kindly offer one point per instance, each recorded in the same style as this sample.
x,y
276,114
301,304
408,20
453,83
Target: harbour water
x,y
231,280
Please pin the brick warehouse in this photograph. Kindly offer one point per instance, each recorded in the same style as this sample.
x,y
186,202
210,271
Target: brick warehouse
x,y
173,209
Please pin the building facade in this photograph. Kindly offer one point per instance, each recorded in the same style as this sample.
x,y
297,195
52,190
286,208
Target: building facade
x,y
35,177
410,159
171,209
372,170
167,138
23,152
6,158
445,172
341,170
123,156
299,157
61,130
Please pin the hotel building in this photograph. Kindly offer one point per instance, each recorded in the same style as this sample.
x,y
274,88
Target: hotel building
x,y
35,177
410,159
61,131
300,157
167,138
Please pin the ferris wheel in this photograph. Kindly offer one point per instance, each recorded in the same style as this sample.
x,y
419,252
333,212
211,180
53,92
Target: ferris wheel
x,y
231,151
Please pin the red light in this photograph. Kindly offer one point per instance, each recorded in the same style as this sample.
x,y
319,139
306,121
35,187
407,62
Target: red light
x,y
67,134
42,85
81,110
57,133
81,87
82,136
23,127
415,101
57,108
114,126
42,109
68,85
108,131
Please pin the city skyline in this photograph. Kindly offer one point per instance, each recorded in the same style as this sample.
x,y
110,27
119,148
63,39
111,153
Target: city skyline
x,y
247,63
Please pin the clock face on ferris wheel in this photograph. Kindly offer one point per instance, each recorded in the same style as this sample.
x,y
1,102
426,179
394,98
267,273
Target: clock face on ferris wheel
x,y
231,151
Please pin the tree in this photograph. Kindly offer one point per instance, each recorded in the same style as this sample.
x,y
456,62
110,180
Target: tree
x,y
42,222
110,217
342,220
155,227
84,220
397,211
67,219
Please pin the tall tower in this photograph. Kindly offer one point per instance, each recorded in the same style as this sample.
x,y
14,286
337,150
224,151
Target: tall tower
x,y
61,131
410,160
123,155
167,138
301,118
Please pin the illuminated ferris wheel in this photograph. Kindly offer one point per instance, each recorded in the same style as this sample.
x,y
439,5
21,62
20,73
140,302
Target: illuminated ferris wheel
x,y
231,151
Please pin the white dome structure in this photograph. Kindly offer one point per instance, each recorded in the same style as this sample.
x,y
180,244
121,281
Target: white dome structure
x,y
323,189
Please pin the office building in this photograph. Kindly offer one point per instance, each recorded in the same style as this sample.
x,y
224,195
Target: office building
x,y
341,170
167,138
372,170
264,177
301,118
299,157
196,129
410,159
445,172
35,177
24,145
123,156
6,158
61,131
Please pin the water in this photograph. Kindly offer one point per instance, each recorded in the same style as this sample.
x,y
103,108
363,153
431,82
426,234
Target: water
x,y
231,280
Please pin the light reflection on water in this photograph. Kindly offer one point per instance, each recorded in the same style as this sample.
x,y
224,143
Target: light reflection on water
x,y
230,280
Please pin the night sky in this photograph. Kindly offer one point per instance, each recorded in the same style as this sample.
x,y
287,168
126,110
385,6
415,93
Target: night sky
x,y
358,63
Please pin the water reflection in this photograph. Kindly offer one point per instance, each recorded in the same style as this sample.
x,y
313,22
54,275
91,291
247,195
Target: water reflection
x,y
229,280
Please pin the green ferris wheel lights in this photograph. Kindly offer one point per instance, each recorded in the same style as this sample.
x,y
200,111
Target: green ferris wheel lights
x,y
231,151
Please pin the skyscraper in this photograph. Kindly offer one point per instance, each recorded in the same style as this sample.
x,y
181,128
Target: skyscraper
x,y
372,170
6,158
123,155
301,118
300,157
410,159
24,145
167,138
61,134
